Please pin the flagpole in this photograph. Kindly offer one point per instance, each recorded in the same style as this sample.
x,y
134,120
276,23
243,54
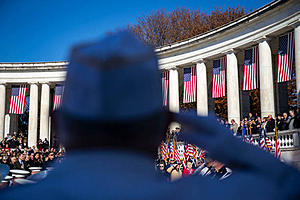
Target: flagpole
x,y
276,143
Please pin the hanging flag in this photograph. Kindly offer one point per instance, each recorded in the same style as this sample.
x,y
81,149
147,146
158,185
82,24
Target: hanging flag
x,y
59,90
17,99
218,84
165,87
285,57
251,64
189,85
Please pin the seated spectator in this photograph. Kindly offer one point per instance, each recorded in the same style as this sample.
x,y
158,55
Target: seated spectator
x,y
37,160
12,163
175,172
20,163
220,171
162,170
188,170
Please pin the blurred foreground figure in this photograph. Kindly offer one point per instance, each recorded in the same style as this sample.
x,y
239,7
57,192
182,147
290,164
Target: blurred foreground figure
x,y
112,121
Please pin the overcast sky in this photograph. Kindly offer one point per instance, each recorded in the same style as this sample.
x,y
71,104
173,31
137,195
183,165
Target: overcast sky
x,y
44,30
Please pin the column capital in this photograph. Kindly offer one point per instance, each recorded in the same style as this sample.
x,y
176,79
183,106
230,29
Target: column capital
x,y
295,23
3,83
173,68
201,60
44,82
33,83
230,51
263,39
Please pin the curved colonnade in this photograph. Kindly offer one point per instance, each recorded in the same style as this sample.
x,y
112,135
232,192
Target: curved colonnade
x,y
262,27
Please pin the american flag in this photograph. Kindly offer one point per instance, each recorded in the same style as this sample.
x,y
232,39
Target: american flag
x,y
218,84
251,64
164,151
59,89
191,150
200,153
268,143
285,57
189,85
17,99
175,152
277,147
262,144
165,87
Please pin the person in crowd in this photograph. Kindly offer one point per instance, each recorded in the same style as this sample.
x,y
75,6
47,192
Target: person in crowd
x,y
20,163
45,144
13,143
297,119
251,117
162,170
234,127
40,145
12,163
270,125
175,172
37,160
206,168
240,129
258,123
285,122
279,122
189,169
292,120
220,171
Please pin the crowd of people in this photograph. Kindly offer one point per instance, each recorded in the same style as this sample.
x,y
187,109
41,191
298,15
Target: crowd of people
x,y
254,124
15,152
173,165
173,170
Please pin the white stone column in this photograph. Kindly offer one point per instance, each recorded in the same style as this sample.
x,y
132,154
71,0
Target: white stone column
x,y
2,109
202,99
44,115
33,115
297,60
232,80
266,79
7,125
173,90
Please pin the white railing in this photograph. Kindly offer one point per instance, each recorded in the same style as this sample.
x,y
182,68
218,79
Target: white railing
x,y
287,139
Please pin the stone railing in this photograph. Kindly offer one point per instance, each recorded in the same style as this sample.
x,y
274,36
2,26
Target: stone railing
x,y
287,139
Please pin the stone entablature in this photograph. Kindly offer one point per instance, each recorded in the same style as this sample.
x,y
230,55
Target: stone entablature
x,y
16,73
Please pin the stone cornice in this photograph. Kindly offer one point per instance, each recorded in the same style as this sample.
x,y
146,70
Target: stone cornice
x,y
34,66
